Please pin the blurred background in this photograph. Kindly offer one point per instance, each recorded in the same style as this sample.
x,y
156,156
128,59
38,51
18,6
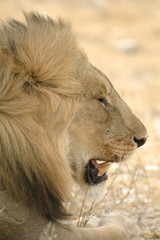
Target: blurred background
x,y
122,38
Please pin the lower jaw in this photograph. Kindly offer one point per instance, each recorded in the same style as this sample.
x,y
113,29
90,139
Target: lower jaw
x,y
91,175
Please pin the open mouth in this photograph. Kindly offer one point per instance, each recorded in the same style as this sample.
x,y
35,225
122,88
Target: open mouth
x,y
96,171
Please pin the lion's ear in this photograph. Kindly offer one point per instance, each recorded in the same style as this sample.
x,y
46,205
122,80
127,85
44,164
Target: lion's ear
x,y
5,55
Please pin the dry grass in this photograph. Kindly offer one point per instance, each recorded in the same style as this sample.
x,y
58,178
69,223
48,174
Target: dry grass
x,y
125,193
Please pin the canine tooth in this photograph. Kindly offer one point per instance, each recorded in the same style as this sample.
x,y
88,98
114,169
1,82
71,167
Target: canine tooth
x,y
100,162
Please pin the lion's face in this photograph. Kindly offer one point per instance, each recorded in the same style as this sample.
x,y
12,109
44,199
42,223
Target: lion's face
x,y
103,131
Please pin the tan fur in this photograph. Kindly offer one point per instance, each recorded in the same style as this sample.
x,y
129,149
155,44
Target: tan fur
x,y
51,125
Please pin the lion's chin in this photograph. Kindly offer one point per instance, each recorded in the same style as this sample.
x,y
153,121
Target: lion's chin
x,y
96,171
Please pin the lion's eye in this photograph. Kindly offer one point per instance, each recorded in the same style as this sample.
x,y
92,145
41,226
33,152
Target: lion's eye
x,y
103,101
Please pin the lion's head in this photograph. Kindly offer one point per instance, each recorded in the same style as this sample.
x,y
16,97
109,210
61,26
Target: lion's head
x,y
60,117
104,129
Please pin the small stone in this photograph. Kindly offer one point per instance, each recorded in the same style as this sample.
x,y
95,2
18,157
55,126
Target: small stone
x,y
127,45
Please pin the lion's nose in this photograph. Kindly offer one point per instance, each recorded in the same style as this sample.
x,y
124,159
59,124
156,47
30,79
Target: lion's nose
x,y
140,142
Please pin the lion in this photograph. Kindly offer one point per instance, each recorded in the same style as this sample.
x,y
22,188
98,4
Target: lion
x,y
61,120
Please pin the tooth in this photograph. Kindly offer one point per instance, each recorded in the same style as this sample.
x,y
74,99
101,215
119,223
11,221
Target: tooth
x,y
100,162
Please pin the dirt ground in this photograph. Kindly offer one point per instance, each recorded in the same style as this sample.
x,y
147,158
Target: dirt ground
x,y
122,38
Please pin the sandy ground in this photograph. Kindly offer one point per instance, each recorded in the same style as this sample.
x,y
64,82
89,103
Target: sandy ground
x,y
122,38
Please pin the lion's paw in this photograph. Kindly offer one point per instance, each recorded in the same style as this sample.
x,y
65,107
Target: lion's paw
x,y
131,229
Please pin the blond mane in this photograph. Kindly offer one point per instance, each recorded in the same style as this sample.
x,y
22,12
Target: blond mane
x,y
34,117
